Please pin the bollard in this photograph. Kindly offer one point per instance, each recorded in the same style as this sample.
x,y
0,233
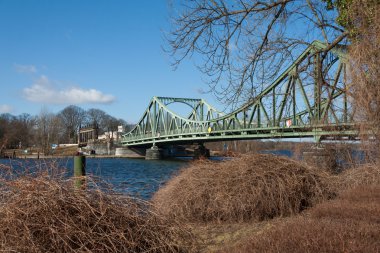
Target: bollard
x,y
79,170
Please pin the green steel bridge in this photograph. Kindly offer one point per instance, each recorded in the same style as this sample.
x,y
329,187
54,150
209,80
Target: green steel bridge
x,y
309,99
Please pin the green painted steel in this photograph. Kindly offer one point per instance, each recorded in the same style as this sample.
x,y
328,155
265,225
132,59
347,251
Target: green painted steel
x,y
309,99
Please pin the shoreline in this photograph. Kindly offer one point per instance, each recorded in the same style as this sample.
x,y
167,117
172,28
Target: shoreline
x,y
40,157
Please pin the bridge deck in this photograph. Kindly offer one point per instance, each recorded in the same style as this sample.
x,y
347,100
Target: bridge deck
x,y
348,131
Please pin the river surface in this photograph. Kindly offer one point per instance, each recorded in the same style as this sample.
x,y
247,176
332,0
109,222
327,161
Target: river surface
x,y
137,177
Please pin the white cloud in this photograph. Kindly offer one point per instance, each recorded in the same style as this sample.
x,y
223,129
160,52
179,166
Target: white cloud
x,y
44,91
29,69
5,109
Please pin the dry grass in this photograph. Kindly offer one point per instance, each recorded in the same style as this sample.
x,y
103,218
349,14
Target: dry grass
x,y
368,174
350,223
359,204
250,187
43,214
66,151
215,237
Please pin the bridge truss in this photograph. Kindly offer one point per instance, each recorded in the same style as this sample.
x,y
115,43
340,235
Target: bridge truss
x,y
309,99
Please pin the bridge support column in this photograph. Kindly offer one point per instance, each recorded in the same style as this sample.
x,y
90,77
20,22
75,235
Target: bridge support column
x,y
320,157
201,151
153,153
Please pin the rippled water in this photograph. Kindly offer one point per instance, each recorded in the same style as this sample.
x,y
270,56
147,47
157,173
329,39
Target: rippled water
x,y
138,177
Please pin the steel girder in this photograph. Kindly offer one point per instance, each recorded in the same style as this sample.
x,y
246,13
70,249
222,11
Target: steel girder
x,y
159,121
309,99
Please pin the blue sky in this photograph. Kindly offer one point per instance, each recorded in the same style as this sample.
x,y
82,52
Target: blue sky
x,y
91,53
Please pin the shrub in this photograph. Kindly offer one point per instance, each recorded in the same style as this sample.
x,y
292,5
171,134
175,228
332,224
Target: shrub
x,y
368,174
250,187
43,214
350,223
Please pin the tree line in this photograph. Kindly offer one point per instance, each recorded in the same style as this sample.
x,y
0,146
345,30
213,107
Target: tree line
x,y
46,128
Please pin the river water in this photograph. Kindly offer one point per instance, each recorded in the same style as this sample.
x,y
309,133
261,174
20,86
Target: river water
x,y
137,177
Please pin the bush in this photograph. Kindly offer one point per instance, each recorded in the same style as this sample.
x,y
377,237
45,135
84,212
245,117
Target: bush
x,y
42,214
350,223
368,174
250,187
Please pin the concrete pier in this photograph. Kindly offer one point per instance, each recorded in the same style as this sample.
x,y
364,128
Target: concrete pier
x,y
153,153
127,152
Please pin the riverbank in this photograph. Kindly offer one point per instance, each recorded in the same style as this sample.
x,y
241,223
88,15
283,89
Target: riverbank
x,y
240,206
36,156
271,204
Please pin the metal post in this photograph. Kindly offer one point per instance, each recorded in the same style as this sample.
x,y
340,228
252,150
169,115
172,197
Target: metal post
x,y
201,111
258,116
154,121
274,107
245,118
79,170
294,102
317,87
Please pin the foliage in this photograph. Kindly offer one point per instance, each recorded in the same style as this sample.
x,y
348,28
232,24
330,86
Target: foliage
x,y
343,7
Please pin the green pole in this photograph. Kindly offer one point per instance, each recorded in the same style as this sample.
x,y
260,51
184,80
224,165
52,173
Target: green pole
x,y
79,170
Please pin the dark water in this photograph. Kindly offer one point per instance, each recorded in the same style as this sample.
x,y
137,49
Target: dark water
x,y
138,177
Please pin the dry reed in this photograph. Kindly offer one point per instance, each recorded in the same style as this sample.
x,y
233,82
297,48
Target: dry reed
x,y
250,187
43,214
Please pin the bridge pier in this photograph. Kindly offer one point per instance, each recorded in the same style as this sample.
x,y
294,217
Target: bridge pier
x,y
201,151
153,153
130,152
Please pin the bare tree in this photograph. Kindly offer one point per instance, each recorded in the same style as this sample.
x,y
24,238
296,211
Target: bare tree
x,y
72,118
244,44
97,118
16,131
364,18
48,130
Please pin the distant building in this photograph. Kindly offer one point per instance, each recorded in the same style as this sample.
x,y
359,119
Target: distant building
x,y
86,134
114,135
90,133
